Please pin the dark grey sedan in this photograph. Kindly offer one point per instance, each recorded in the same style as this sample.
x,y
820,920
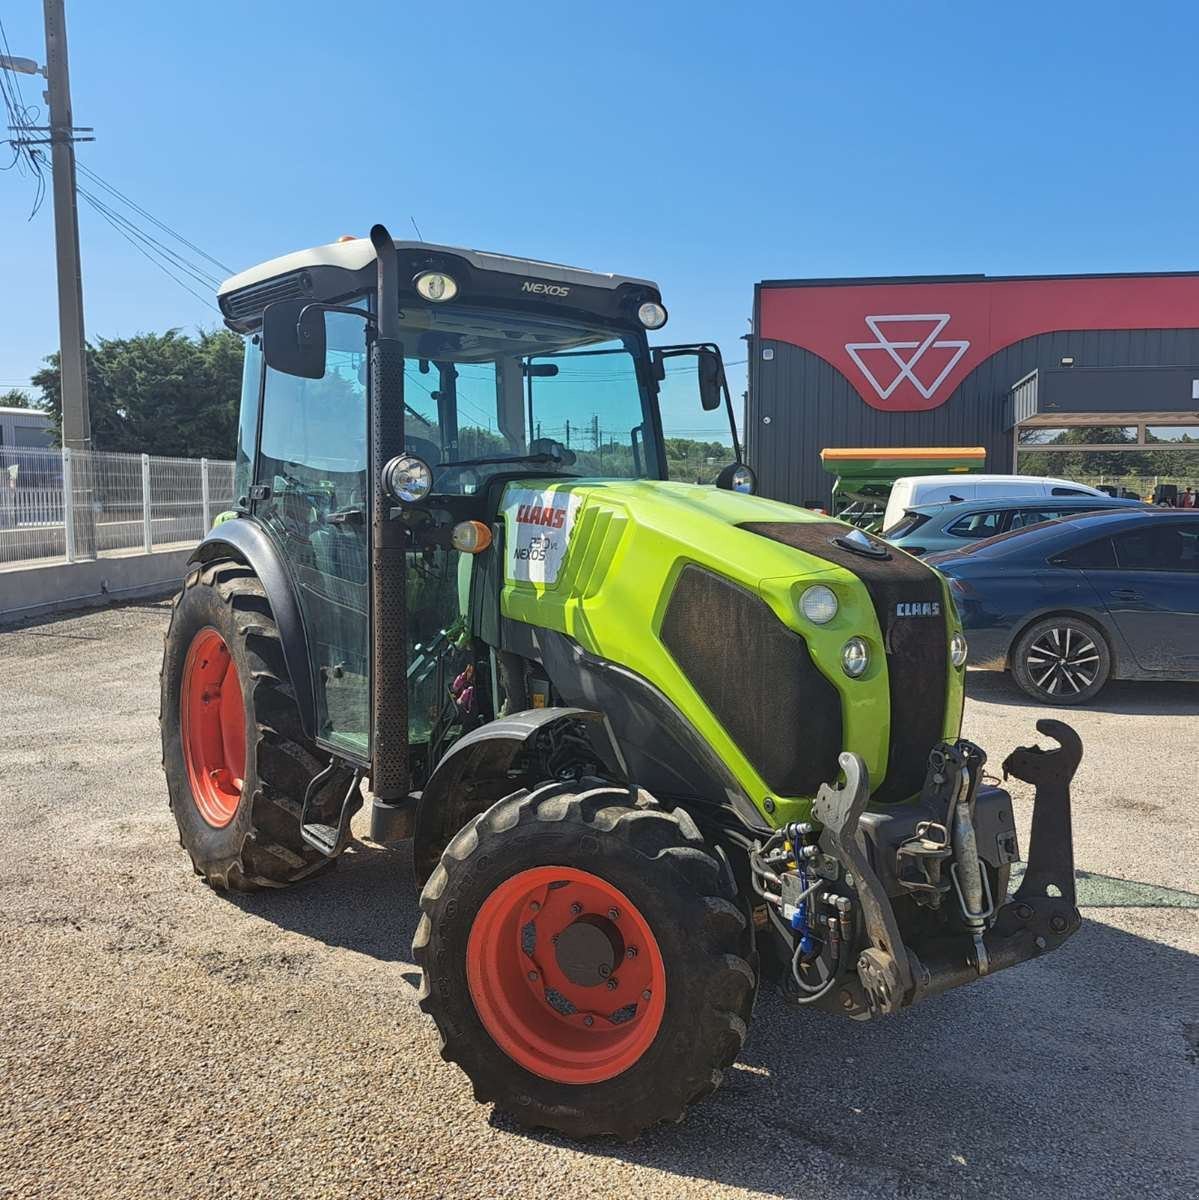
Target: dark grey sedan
x,y
1070,604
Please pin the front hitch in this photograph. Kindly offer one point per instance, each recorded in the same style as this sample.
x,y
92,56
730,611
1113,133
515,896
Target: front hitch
x,y
1037,919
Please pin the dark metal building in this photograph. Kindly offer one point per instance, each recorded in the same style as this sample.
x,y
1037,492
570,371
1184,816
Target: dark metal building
x,y
1014,364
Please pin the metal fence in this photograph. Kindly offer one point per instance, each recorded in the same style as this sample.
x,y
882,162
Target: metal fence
x,y
73,504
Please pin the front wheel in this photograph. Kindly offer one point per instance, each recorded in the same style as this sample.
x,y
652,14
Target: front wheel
x,y
585,960
1061,660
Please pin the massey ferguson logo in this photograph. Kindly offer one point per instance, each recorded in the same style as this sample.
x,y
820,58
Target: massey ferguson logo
x,y
537,514
544,289
929,608
901,356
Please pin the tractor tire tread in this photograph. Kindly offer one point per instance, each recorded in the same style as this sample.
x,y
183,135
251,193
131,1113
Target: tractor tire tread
x,y
265,850
719,948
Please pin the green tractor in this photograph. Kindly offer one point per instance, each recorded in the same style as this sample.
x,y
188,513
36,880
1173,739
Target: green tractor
x,y
651,741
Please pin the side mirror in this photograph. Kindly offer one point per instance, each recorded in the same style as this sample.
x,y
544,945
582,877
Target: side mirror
x,y
711,381
737,477
293,338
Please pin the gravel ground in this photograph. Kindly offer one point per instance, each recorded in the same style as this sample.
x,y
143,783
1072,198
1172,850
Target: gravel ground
x,y
158,1039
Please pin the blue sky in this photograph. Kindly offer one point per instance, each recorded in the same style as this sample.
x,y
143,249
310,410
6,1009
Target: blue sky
x,y
703,145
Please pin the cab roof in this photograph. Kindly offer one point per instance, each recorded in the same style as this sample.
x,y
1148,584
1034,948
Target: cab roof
x,y
339,269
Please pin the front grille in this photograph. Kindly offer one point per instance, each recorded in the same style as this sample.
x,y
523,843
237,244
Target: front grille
x,y
758,680
916,642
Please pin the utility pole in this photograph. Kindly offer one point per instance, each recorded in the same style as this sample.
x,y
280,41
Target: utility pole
x,y
72,368
76,419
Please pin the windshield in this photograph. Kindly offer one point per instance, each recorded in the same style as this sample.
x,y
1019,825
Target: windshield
x,y
484,390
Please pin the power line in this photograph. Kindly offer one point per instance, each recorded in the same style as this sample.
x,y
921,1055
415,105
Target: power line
x,y
146,254
198,274
137,208
19,121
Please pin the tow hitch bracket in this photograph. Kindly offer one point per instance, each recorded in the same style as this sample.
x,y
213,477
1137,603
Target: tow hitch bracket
x,y
1038,918
883,967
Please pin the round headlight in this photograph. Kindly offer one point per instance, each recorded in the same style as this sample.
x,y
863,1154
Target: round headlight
x,y
737,477
958,649
407,479
819,604
435,286
744,481
651,315
855,657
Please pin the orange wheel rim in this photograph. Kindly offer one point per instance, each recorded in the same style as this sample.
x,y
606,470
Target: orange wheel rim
x,y
213,728
566,975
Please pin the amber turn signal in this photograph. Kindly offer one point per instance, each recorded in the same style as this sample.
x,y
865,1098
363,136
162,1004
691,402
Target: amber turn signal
x,y
471,537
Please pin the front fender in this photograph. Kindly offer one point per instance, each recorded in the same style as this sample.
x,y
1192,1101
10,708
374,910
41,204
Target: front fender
x,y
244,540
492,762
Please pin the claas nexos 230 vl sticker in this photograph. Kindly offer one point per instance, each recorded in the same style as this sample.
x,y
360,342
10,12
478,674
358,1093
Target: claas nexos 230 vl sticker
x,y
538,530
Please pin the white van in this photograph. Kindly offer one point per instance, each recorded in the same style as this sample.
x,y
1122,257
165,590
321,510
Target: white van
x,y
913,490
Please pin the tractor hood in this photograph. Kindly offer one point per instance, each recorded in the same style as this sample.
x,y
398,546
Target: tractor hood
x,y
700,592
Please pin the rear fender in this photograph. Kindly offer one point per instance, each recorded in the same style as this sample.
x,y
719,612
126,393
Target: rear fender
x,y
499,758
244,540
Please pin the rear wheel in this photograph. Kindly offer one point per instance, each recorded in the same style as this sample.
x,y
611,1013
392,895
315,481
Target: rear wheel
x,y
585,960
1061,660
236,758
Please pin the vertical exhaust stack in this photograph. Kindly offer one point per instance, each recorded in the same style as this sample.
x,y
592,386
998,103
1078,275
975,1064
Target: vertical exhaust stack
x,y
389,560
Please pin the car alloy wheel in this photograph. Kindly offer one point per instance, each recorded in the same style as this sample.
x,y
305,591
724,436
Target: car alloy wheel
x,y
1063,661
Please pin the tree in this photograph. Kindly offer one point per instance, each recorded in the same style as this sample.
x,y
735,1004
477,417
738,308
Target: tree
x,y
158,393
16,398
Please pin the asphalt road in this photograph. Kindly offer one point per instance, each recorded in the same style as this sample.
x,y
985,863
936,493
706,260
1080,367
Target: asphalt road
x,y
159,1039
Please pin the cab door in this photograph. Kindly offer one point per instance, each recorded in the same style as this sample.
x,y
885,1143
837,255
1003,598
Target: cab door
x,y
311,491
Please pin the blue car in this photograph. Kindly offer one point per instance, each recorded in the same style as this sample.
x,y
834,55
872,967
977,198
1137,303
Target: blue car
x,y
1068,605
953,525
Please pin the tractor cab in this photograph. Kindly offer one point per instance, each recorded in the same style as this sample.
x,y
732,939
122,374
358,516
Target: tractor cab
x,y
505,369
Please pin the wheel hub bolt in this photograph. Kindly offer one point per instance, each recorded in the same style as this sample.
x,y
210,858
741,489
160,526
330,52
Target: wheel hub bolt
x,y
1057,923
532,976
604,970
612,984
1023,912
589,1021
614,914
535,906
576,908
631,952
646,994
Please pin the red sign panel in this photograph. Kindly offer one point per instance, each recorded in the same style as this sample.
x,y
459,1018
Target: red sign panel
x,y
906,346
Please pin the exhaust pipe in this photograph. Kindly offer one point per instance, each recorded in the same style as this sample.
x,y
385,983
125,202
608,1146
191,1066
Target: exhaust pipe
x,y
389,555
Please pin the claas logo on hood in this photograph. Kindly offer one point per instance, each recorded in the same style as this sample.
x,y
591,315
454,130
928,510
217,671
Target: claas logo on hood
x,y
541,514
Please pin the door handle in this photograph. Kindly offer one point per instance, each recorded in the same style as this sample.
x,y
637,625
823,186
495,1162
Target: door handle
x,y
1127,594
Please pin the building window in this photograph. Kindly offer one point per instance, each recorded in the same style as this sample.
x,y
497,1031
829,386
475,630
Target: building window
x,y
1171,434
1078,435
